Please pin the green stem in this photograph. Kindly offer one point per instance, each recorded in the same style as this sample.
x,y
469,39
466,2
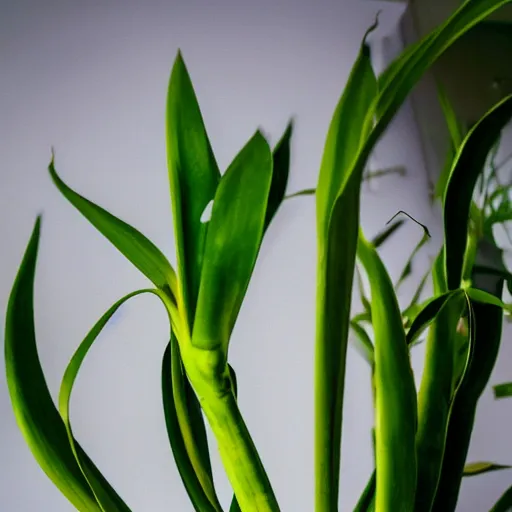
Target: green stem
x,y
241,460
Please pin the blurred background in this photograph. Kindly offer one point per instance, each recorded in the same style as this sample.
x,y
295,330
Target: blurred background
x,y
90,79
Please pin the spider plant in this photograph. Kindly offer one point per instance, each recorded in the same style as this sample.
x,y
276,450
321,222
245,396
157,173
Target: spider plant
x,y
203,294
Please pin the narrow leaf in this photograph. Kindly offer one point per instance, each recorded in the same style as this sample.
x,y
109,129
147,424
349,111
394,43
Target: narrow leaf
x,y
280,172
362,342
395,392
130,242
232,245
35,412
195,491
193,177
337,231
478,468
504,504
383,235
467,166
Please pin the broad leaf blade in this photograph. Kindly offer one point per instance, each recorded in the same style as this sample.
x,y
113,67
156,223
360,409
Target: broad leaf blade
x,y
395,392
280,172
130,242
467,166
478,468
232,245
35,412
337,231
193,177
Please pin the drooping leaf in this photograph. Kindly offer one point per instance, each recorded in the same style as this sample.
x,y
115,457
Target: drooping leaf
x,y
337,230
503,390
280,172
130,242
478,468
484,297
35,412
195,491
468,165
193,176
105,496
395,400
233,241
383,235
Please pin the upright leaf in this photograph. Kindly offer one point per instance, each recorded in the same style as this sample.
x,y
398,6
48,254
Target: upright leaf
x,y
337,230
35,412
395,393
193,177
130,242
232,245
280,172
504,504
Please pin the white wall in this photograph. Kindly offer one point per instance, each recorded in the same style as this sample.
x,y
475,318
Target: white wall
x,y
91,81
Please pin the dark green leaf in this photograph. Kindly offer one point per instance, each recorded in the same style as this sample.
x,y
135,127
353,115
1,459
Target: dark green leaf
x,y
133,244
503,390
383,235
504,504
367,496
193,177
280,172
468,165
35,412
362,342
192,485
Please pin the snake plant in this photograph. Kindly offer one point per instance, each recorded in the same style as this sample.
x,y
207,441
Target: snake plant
x,y
421,437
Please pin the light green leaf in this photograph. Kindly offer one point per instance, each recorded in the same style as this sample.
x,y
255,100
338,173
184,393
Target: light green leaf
x,y
478,468
503,390
193,177
485,297
35,412
395,392
232,245
130,242
468,165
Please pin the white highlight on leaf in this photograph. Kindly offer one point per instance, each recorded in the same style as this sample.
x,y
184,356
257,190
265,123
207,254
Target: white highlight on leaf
x,y
207,213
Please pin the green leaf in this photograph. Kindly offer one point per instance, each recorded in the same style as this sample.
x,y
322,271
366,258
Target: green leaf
x,y
478,468
503,390
435,398
106,497
280,172
428,314
363,343
504,504
484,297
468,165
130,242
35,412
383,235
337,231
193,177
367,496
305,192
395,392
232,245
197,496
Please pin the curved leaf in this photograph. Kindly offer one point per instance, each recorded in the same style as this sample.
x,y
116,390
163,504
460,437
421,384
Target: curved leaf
x,y
363,343
468,165
504,504
130,242
193,177
35,412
